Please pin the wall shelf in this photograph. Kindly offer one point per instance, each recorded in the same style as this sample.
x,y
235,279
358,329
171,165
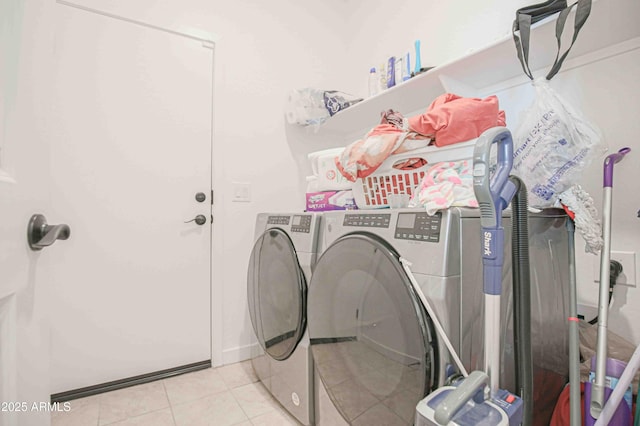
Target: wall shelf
x,y
485,70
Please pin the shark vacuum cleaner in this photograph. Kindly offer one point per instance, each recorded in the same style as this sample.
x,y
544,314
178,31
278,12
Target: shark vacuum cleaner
x,y
477,399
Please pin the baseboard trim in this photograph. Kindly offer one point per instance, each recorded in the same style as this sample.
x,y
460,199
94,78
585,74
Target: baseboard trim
x,y
239,353
131,381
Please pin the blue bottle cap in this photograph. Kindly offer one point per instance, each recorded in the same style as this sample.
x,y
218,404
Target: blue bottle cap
x,y
372,69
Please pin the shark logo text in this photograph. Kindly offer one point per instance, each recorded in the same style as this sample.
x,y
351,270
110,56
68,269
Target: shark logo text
x,y
487,243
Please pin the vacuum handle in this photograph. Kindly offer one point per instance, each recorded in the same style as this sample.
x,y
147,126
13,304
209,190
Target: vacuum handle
x,y
459,396
493,193
608,165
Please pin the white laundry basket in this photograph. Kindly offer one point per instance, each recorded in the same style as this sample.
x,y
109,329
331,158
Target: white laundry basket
x,y
373,191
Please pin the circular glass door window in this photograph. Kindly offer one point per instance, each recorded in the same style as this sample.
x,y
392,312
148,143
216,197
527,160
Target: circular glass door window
x,y
276,291
372,340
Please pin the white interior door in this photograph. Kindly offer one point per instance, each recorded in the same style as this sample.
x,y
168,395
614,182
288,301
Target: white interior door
x,y
25,51
133,147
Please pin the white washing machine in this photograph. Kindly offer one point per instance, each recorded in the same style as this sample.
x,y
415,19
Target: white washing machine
x,y
280,267
374,345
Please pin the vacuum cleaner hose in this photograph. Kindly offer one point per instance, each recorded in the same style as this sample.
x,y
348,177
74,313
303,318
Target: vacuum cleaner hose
x,y
522,299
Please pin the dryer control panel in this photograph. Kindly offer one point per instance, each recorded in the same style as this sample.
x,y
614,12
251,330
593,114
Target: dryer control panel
x,y
418,226
278,220
367,220
301,223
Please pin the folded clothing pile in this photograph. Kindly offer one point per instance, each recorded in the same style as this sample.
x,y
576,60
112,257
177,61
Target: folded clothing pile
x,y
448,120
446,184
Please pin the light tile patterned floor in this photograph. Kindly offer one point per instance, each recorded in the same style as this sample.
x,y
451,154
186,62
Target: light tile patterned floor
x,y
229,395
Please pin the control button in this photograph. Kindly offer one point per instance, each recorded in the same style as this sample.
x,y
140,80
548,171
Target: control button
x,y
510,398
479,169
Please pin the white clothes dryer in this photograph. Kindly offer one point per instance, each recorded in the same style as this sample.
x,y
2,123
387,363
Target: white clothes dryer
x,y
280,267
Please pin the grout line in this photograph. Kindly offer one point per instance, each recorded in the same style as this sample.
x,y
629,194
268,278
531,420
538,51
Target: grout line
x,y
240,405
273,403
138,415
99,398
197,399
173,416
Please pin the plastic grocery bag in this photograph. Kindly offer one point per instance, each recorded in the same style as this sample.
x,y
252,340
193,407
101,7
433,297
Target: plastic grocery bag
x,y
312,107
552,146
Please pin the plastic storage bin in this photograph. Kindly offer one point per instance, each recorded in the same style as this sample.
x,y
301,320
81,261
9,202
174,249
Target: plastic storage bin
x,y
373,191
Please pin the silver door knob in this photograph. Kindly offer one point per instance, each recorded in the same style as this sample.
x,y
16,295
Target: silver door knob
x,y
40,234
200,219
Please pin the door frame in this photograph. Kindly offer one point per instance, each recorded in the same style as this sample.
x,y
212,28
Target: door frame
x,y
208,40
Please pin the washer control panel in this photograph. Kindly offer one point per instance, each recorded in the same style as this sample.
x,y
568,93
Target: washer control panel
x,y
418,226
301,223
367,220
279,220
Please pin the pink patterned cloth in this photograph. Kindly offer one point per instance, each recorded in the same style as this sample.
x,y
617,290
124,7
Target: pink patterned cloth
x,y
449,119
446,184
364,156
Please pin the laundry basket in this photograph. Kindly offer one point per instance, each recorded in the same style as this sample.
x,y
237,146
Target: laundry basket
x,y
373,191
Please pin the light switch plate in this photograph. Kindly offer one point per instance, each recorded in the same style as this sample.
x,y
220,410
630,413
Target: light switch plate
x,y
241,192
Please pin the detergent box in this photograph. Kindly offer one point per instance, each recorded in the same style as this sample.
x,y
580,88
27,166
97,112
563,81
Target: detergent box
x,y
330,200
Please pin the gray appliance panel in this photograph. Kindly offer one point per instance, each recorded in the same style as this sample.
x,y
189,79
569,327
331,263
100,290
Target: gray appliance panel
x,y
276,293
302,228
291,381
437,254
418,226
548,250
457,257
371,338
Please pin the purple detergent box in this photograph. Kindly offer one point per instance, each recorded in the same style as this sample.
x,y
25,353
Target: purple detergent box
x,y
330,200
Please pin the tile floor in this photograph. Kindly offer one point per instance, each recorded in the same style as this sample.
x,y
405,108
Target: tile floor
x,y
229,395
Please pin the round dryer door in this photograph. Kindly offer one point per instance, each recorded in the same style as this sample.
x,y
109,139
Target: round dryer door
x,y
277,291
371,338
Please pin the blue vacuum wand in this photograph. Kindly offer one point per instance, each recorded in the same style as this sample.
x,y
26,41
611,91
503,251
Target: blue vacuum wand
x,y
466,404
494,193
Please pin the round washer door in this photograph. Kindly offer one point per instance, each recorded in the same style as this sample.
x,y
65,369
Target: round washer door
x,y
372,341
276,292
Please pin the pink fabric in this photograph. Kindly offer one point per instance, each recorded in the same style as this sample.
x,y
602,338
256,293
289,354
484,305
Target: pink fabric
x,y
446,184
451,119
364,156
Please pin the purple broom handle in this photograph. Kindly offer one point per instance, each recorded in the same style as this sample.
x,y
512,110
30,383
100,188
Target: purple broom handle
x,y
608,165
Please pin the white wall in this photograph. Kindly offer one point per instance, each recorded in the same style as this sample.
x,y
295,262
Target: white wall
x,y
446,30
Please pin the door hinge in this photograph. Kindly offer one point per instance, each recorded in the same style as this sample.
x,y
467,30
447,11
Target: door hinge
x,y
212,197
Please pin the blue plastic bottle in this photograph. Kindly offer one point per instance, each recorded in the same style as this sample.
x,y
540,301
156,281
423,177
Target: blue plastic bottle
x,y
391,72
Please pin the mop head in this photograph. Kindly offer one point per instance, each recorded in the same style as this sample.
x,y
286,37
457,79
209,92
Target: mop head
x,y
586,217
